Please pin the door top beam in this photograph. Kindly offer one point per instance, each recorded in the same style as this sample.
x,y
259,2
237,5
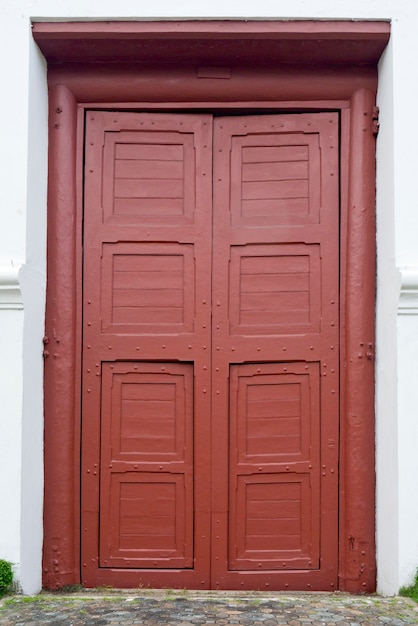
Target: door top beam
x,y
212,41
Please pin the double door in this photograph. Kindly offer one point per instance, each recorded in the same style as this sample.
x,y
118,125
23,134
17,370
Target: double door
x,y
210,392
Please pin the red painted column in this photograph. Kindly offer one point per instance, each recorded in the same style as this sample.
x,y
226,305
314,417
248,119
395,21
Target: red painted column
x,y
61,478
358,572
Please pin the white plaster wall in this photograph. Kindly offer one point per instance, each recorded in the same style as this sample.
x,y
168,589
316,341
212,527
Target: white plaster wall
x,y
408,437
32,278
11,325
23,131
13,157
387,494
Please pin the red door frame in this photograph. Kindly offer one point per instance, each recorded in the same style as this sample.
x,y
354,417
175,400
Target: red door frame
x,y
214,82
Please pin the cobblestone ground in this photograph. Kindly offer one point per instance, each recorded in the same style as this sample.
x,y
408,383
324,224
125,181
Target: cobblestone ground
x,y
217,608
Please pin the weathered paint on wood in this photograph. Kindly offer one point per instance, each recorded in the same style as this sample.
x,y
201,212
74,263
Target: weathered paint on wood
x,y
275,352
171,329
146,346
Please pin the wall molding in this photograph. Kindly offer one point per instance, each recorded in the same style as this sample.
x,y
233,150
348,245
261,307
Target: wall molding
x,y
408,297
10,294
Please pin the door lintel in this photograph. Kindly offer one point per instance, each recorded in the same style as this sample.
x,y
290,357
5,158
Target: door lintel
x,y
345,42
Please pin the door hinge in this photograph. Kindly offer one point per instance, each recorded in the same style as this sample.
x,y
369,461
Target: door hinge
x,y
45,341
375,121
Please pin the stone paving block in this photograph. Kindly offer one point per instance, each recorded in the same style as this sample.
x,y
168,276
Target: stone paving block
x,y
149,608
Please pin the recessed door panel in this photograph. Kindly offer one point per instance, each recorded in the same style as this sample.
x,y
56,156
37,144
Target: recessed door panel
x,y
147,288
274,286
274,492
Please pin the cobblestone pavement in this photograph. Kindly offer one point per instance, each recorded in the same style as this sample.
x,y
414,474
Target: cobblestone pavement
x,y
186,608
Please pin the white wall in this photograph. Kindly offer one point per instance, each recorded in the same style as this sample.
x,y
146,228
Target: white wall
x,y
23,132
408,437
11,325
387,527
13,156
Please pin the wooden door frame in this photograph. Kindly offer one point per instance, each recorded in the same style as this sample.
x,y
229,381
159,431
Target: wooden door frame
x,y
279,75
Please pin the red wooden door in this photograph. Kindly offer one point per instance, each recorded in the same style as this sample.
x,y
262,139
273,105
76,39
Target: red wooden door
x,y
210,353
275,352
146,350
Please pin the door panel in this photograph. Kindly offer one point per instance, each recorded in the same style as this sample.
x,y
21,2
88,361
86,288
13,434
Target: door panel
x,y
210,351
146,349
275,352
274,420
146,512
